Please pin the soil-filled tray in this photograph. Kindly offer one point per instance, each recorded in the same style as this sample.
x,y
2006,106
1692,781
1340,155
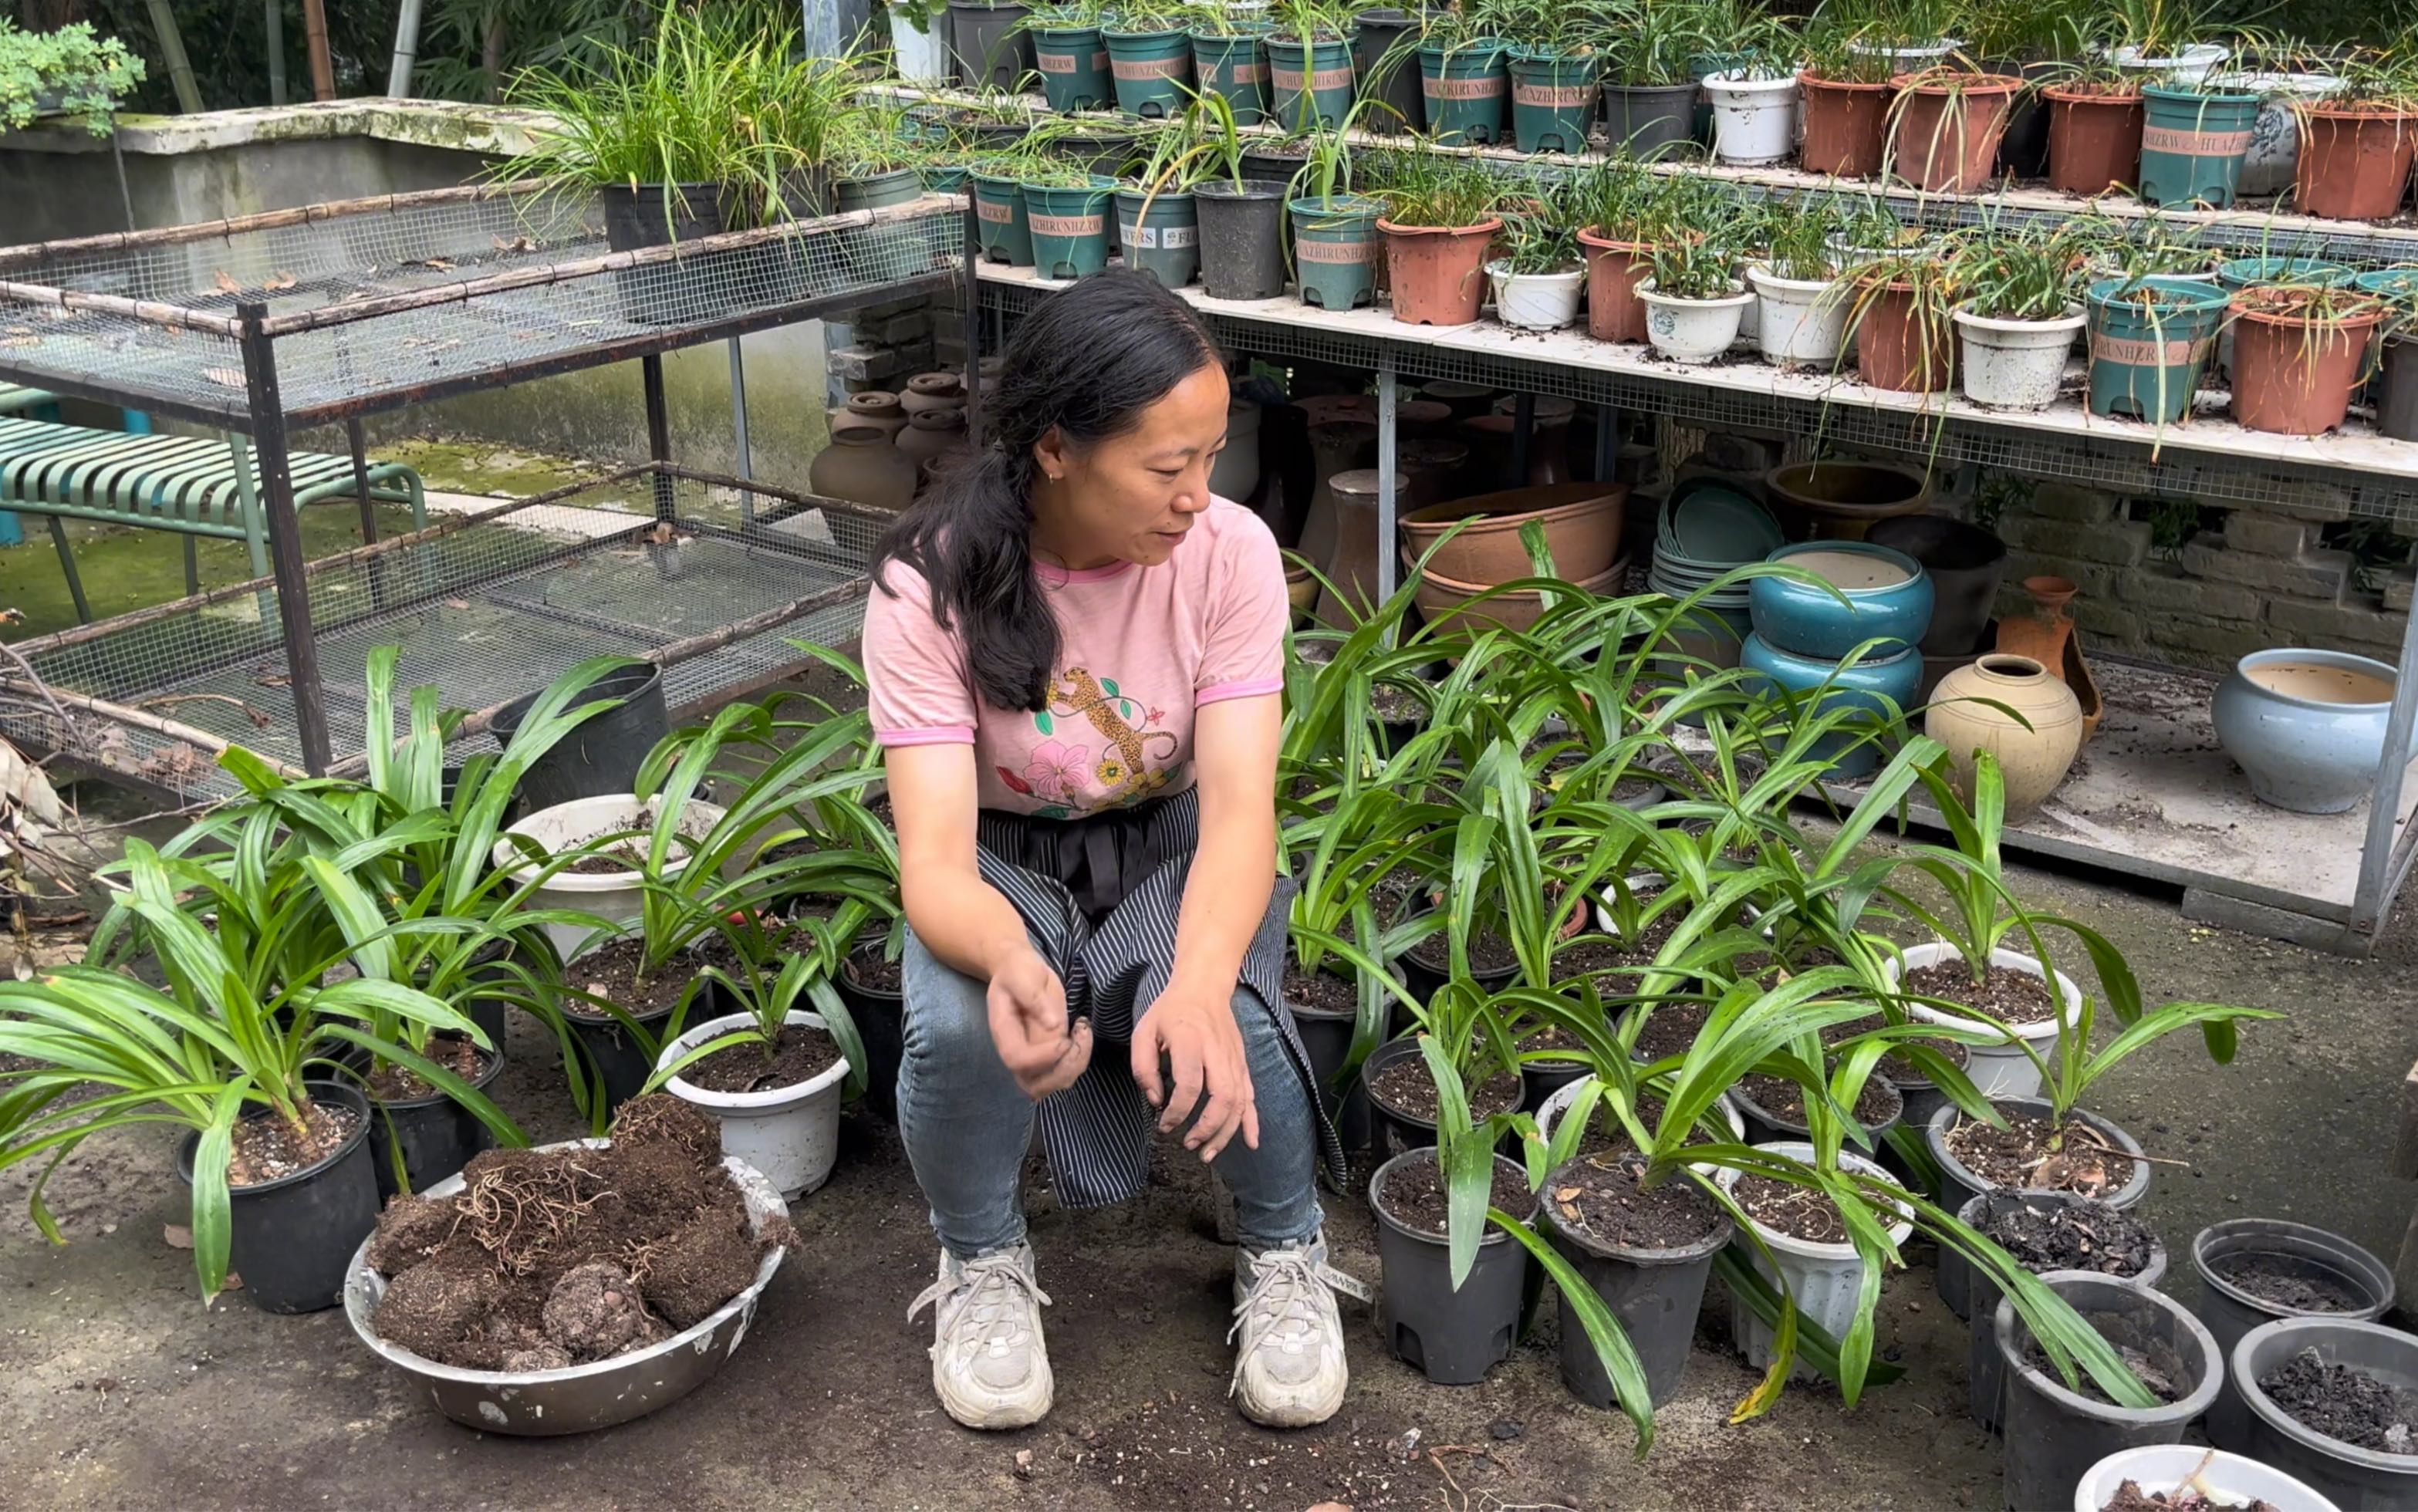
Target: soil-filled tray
x,y
2009,996
2079,1236
1599,1196
2347,1405
2020,1157
1413,1194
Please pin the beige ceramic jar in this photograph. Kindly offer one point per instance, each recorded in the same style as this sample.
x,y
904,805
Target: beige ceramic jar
x,y
2033,761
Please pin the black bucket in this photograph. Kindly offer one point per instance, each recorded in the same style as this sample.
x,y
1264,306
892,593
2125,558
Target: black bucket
x,y
1242,238
1656,1293
1453,1336
881,1024
439,1135
603,755
292,1240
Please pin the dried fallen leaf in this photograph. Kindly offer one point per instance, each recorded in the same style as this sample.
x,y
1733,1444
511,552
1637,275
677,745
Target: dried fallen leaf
x,y
1566,1194
274,679
283,281
1569,1209
1024,1464
226,284
225,377
178,1236
518,244
234,1282
457,603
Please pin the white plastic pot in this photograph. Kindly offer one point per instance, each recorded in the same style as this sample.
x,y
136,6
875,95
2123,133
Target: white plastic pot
x,y
1803,321
2161,1469
617,897
790,1133
1693,331
2015,364
1534,302
1754,120
1825,1279
1998,1070
920,58
2274,153
2190,66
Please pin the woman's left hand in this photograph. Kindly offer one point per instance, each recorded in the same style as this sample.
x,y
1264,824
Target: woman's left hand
x,y
1203,1046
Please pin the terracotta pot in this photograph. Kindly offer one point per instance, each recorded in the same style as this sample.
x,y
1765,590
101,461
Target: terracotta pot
x,y
2041,635
2094,139
1847,126
1945,128
933,390
1423,416
2032,761
1899,347
1582,524
1301,590
1324,409
863,468
876,407
2294,378
1840,501
933,434
2354,163
1438,272
1614,270
1519,610
1462,399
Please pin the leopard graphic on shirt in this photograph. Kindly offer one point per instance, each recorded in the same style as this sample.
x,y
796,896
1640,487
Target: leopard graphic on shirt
x,y
1059,767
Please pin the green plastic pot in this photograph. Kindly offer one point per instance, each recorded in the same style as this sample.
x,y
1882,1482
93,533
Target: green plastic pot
x,y
876,251
1235,68
1335,250
948,178
2148,363
1073,63
1310,83
1152,72
1070,227
1163,240
1552,99
999,214
2192,145
2243,272
1465,89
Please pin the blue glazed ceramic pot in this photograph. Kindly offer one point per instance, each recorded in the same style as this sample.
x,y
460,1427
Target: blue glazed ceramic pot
x,y
1864,686
1889,598
2307,727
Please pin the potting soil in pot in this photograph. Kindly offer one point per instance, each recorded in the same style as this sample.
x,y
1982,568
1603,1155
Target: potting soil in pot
x,y
803,1053
2020,1157
1322,990
2159,1367
1488,952
610,971
1414,1194
871,966
555,1257
2346,1405
2288,1283
270,1149
1876,1102
1799,1211
1670,1029
1601,1196
2128,1497
2008,996
2079,1236
1406,1088
393,1084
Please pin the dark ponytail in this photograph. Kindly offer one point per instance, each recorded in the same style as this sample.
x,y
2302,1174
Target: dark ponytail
x,y
1088,362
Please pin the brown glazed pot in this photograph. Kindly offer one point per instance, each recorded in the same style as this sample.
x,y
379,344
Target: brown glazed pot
x,y
1582,524
2292,377
2094,139
933,434
1438,272
863,468
2354,163
1945,127
1614,270
1847,126
1893,351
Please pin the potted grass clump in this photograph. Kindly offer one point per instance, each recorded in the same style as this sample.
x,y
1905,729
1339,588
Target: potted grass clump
x,y
1335,238
1898,315
1071,57
1068,209
1649,78
1555,73
2299,351
1618,207
1159,222
2359,141
2018,311
1149,56
2195,132
1441,213
1242,219
1945,126
1802,321
1751,92
1311,73
1230,60
2095,119
2149,338
1694,300
1464,79
2162,42
1845,79
1537,279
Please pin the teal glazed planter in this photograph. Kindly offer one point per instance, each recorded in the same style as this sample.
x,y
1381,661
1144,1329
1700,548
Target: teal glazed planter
x,y
1892,605
2145,362
1163,240
1883,688
2306,726
1465,90
1073,63
1335,250
1552,99
1070,227
1310,83
1235,69
2243,272
999,215
2192,145
1151,71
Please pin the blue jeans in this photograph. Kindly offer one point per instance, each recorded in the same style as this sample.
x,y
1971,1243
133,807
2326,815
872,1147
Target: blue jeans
x,y
967,1125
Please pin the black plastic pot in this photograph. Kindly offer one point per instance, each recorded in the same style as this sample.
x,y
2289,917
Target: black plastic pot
x,y
2352,1478
603,755
2231,1312
2397,390
1327,1038
2022,151
1271,167
1985,1380
292,1239
1960,1186
1540,1080
1386,59
1650,121
1656,1293
1453,1337
1391,1134
1765,1127
1242,238
439,1135
638,218
624,1063
1965,563
1423,980
881,1023
989,44
2053,1434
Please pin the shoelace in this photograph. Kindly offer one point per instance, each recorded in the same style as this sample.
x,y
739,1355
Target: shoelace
x,y
986,1282
1284,1281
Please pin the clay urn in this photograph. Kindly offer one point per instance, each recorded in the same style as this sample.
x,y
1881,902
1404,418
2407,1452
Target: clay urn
x,y
1962,717
863,468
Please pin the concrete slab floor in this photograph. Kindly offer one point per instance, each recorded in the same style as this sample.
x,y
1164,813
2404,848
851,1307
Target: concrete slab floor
x,y
117,1389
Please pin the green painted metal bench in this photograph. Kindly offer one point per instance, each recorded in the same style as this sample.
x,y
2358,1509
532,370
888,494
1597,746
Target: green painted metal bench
x,y
189,486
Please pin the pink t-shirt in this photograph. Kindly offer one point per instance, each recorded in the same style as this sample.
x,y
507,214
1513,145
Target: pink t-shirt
x,y
1140,648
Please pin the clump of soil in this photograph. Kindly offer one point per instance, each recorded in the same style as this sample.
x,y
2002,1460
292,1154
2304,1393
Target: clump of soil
x,y
1413,1193
1601,1196
2008,996
2021,1157
2079,1236
1784,1101
2294,1285
268,1149
1799,1211
1671,1029
393,1084
803,1053
2159,1369
1319,991
2346,1405
554,1258
1406,1088
2128,1497
610,971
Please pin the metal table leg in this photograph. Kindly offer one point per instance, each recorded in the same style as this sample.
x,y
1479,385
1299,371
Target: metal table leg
x,y
659,431
1387,472
285,538
2377,874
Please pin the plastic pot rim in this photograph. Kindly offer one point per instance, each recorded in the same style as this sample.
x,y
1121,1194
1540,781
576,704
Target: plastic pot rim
x,y
1482,228
1895,558
1939,953
513,865
1724,1230
2225,1472
1790,1244
2149,1275
2197,1401
1806,1130
2210,1278
2340,661
771,1099
1428,1153
491,1067
317,1088
1764,281
1739,295
2063,326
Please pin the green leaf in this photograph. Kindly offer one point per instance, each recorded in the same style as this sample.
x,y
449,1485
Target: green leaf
x,y
1042,722
1108,686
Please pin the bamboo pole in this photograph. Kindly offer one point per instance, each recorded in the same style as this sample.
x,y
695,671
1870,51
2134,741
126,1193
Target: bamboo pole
x,y
149,311
315,33
180,67
113,241
140,719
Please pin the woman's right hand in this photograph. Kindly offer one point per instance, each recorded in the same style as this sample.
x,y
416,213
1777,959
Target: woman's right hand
x,y
1029,1026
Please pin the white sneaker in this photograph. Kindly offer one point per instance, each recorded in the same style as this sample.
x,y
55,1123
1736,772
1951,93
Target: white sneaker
x,y
989,1366
1289,1371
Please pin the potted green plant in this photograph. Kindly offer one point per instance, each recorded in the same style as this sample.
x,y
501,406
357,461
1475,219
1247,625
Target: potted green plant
x,y
988,40
2095,120
2359,141
1648,49
1844,79
1311,63
1150,55
1618,208
1440,221
1802,319
1555,73
1067,210
2195,130
919,41
1230,59
2299,351
1693,301
1464,79
1750,84
1335,237
2018,311
2150,336
2162,42
71,70
1536,281
1944,125
1898,315
1071,57
1241,218
1158,224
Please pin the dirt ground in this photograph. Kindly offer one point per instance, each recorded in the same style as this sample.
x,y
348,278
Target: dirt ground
x,y
118,1389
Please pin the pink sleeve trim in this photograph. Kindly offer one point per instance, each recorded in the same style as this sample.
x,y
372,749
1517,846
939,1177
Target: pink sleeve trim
x,y
937,735
1255,688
